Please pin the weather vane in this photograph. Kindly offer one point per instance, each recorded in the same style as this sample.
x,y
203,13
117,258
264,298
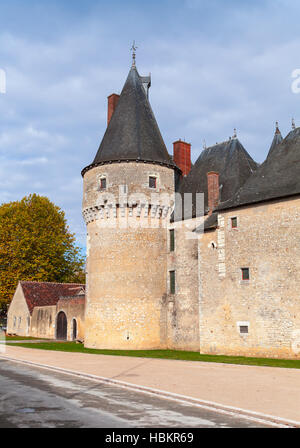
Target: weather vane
x,y
133,49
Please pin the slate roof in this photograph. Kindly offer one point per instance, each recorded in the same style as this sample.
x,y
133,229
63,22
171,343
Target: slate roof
x,y
277,177
47,294
211,222
132,133
276,140
230,160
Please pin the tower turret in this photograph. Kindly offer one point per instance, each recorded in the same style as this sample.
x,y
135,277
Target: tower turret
x,y
276,139
127,200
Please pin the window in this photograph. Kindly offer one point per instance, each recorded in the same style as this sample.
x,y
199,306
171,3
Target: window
x,y
103,183
152,182
244,329
172,282
15,321
172,240
245,273
234,222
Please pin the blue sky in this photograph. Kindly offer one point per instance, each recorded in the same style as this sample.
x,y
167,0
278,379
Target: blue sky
x,y
215,66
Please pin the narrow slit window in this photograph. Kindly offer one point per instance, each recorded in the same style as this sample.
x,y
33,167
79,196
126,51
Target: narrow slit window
x,y
152,182
172,240
172,282
245,274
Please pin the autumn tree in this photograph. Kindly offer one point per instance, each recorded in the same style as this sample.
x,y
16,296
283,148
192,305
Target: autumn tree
x,y
35,244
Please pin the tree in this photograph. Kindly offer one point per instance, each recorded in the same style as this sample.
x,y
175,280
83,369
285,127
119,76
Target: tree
x,y
36,245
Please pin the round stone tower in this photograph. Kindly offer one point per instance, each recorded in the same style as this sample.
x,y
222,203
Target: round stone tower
x,y
127,201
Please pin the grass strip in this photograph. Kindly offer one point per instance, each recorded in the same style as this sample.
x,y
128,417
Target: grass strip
x,y
165,354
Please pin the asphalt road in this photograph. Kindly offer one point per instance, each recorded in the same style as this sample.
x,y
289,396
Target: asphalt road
x,y
36,398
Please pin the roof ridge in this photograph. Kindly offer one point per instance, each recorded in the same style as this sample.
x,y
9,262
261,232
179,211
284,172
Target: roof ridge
x,y
52,283
245,154
218,143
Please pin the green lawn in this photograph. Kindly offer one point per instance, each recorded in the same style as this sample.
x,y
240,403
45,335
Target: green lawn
x,y
20,338
166,354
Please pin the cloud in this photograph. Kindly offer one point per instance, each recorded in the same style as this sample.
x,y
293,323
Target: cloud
x,y
215,66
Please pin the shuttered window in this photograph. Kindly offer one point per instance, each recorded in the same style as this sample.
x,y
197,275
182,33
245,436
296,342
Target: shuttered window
x,y
152,182
234,223
245,274
172,240
172,282
103,183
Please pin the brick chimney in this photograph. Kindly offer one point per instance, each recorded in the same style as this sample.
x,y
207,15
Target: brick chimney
x,y
182,156
111,105
212,190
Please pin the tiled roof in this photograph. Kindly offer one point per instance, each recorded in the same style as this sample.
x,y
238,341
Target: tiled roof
x,y
72,300
47,294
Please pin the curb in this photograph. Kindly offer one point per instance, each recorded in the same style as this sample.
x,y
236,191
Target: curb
x,y
269,420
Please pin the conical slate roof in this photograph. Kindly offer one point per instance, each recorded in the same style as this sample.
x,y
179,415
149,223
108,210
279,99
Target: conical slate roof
x,y
277,177
132,133
230,160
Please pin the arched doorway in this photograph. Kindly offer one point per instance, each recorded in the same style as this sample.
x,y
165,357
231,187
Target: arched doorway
x,y
61,326
74,326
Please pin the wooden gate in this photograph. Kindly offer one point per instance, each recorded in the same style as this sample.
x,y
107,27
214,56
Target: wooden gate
x,y
61,326
74,330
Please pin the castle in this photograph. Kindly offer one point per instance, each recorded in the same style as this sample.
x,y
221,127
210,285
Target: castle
x,y
221,278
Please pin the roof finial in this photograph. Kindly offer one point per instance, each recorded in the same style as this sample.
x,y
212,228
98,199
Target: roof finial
x,y
293,124
234,133
204,144
277,131
133,49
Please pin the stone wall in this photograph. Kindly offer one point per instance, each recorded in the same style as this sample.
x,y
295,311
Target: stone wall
x,y
43,322
266,240
18,316
126,256
73,308
183,306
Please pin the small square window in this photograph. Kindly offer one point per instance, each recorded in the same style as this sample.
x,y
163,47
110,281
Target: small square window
x,y
172,282
103,183
244,329
172,240
234,222
245,273
152,182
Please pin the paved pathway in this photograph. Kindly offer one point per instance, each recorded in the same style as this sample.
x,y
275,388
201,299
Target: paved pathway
x,y
25,341
265,390
33,397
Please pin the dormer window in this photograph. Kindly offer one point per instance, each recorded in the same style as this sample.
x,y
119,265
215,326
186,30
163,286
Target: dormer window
x,y
103,183
152,182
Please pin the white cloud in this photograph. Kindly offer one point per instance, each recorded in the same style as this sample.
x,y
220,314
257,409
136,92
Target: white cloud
x,y
214,66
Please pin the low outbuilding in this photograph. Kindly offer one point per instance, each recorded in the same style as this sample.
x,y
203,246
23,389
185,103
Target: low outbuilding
x,y
47,310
